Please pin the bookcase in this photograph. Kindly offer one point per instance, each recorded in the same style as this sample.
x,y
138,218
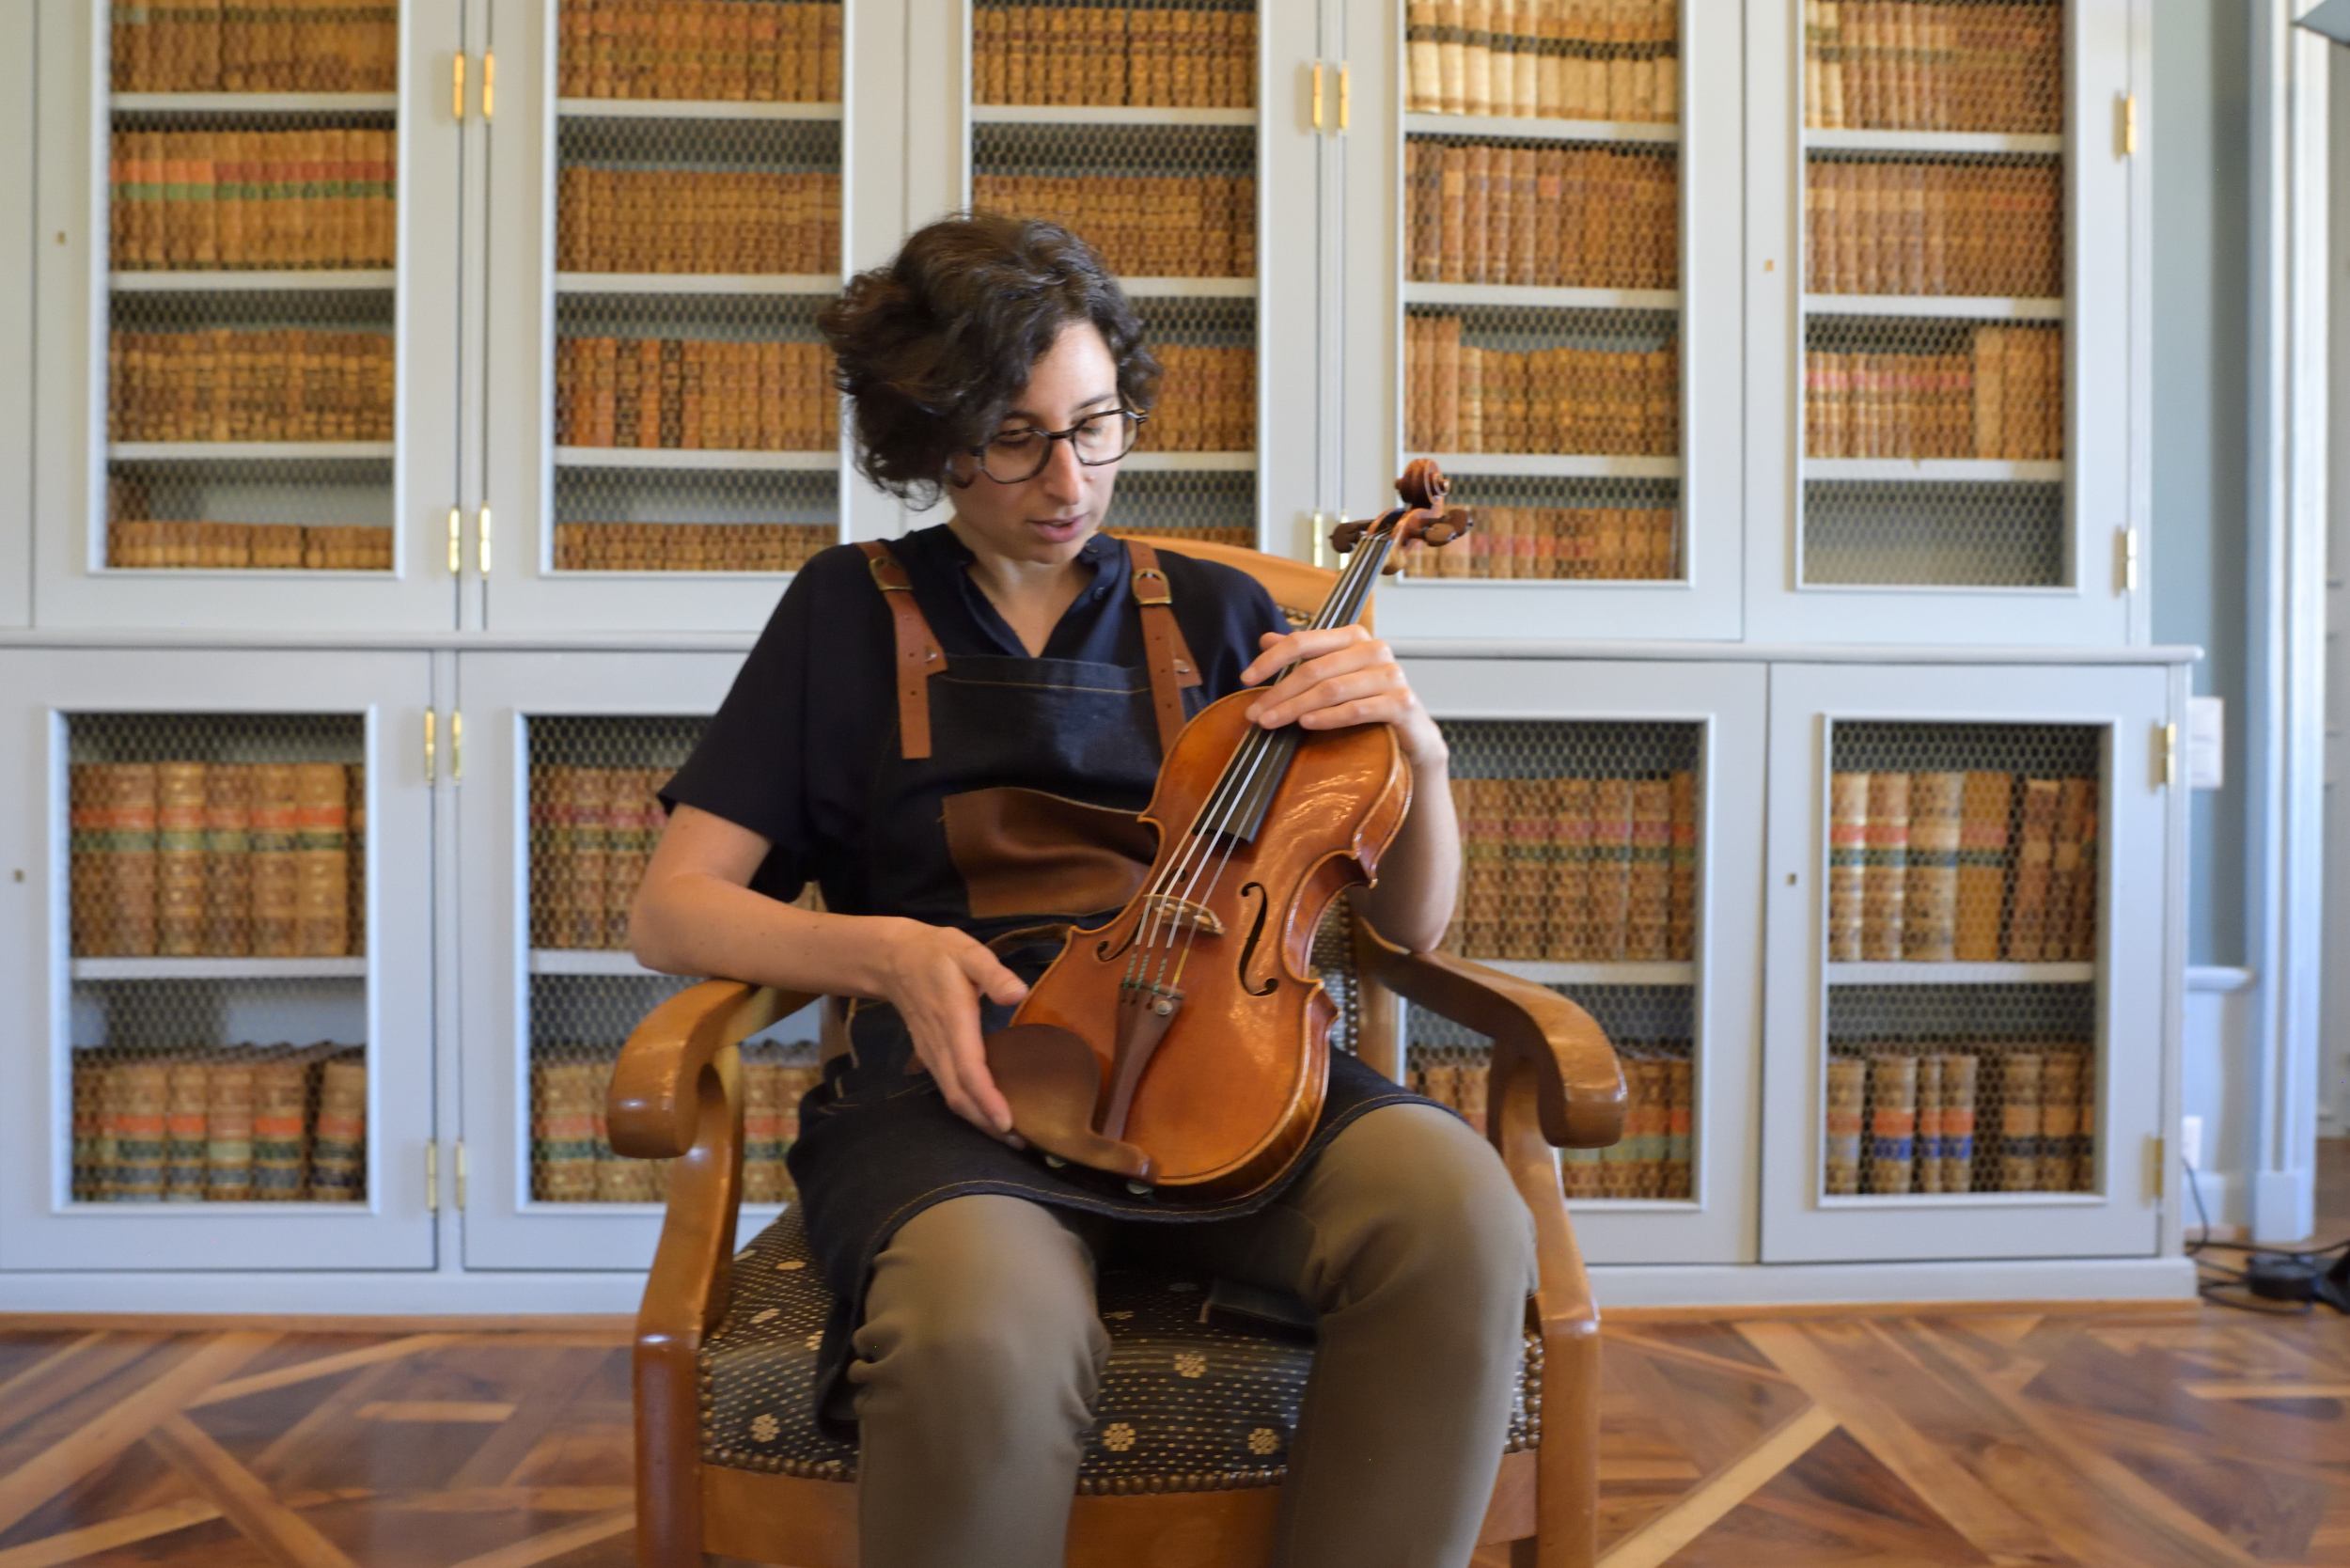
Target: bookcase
x,y
557,818
536,465
222,987
1963,1019
248,318
1542,214
1941,340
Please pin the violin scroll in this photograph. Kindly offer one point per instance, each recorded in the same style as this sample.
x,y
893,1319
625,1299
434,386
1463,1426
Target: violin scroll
x,y
1423,517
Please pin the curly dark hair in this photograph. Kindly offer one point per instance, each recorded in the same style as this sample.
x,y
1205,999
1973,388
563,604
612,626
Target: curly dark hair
x,y
935,346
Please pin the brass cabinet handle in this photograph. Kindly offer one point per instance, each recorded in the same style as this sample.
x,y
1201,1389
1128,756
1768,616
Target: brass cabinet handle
x,y
457,87
1317,94
456,547
456,745
431,746
488,110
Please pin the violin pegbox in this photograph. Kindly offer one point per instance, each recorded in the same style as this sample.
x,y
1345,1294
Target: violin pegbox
x,y
1422,519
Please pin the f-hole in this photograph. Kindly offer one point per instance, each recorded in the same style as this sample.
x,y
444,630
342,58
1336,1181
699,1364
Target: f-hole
x,y
1256,931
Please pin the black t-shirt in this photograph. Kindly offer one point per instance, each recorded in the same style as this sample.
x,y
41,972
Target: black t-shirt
x,y
788,753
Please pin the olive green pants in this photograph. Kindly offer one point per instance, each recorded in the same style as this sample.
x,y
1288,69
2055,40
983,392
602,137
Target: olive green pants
x,y
980,1353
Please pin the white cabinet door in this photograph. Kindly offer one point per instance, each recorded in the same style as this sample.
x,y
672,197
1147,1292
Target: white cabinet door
x,y
1539,280
246,345
1176,141
549,989
19,228
660,437
222,979
1968,1034
1612,820
1939,338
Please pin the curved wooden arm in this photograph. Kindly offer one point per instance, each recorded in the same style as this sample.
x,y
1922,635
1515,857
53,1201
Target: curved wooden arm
x,y
1577,1083
651,1107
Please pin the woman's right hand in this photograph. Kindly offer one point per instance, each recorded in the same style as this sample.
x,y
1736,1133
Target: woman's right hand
x,y
935,976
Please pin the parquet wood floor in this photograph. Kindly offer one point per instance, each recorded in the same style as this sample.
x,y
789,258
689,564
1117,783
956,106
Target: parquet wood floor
x,y
2102,1440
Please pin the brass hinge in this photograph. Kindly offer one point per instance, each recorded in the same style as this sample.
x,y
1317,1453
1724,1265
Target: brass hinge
x,y
489,84
1317,94
431,746
457,87
2166,754
2126,540
456,745
1345,82
2129,124
460,1175
2157,1155
433,1178
484,542
456,541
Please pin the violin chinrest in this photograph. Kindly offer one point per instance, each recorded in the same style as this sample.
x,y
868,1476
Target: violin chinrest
x,y
1051,1078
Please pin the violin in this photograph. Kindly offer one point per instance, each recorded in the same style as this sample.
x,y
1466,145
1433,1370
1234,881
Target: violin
x,y
1185,1043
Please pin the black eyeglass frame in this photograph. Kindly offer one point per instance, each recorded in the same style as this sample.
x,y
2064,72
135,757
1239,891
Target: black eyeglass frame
x,y
1045,457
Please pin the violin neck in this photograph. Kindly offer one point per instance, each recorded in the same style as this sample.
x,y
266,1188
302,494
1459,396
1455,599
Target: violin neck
x,y
1351,594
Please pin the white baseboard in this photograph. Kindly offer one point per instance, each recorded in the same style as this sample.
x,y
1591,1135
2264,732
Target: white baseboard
x,y
1734,1287
1730,1286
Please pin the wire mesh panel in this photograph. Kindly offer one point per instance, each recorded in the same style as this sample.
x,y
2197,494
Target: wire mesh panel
x,y
754,50
697,195
1214,508
1549,214
1154,200
209,348
1963,842
253,49
1935,65
1653,1029
1889,215
1960,1089
594,818
220,1091
1579,841
1190,54
1519,58
578,1024
1610,528
217,835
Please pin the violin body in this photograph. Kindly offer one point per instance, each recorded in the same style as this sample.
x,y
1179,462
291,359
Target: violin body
x,y
1186,1043
1233,1084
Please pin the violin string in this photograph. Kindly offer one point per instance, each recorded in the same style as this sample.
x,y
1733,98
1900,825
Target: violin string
x,y
1219,813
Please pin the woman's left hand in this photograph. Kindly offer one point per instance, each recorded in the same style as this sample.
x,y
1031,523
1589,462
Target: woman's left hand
x,y
1343,676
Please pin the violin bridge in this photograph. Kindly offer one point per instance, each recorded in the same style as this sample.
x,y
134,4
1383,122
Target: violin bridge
x,y
1184,914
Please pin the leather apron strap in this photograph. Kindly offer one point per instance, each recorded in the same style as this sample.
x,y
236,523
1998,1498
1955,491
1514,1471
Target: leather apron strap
x,y
1172,667
919,653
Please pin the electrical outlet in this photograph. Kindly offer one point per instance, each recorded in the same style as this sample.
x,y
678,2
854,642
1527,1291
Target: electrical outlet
x,y
2191,1141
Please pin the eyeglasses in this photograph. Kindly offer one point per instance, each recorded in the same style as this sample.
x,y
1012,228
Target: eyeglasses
x,y
1015,455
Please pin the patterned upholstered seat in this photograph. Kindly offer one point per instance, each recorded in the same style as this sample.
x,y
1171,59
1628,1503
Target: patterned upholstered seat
x,y
1185,1406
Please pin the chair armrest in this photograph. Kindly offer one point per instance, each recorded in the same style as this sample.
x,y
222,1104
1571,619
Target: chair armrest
x,y
1578,1080
677,1095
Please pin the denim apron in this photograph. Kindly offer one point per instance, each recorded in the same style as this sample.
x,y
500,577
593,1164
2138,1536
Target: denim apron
x,y
1017,748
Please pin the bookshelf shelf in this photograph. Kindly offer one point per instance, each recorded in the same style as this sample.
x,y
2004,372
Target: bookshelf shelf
x,y
250,451
588,960
666,283
682,459
254,102
1514,296
1960,974
367,280
691,108
1954,307
219,968
1556,465
1535,129
1189,288
1104,114
1931,142
1556,972
1969,470
1189,463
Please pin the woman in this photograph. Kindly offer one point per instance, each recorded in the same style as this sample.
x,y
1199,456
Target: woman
x,y
915,721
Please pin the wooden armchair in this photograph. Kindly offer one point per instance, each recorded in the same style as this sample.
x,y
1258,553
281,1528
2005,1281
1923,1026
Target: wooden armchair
x,y
729,1458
